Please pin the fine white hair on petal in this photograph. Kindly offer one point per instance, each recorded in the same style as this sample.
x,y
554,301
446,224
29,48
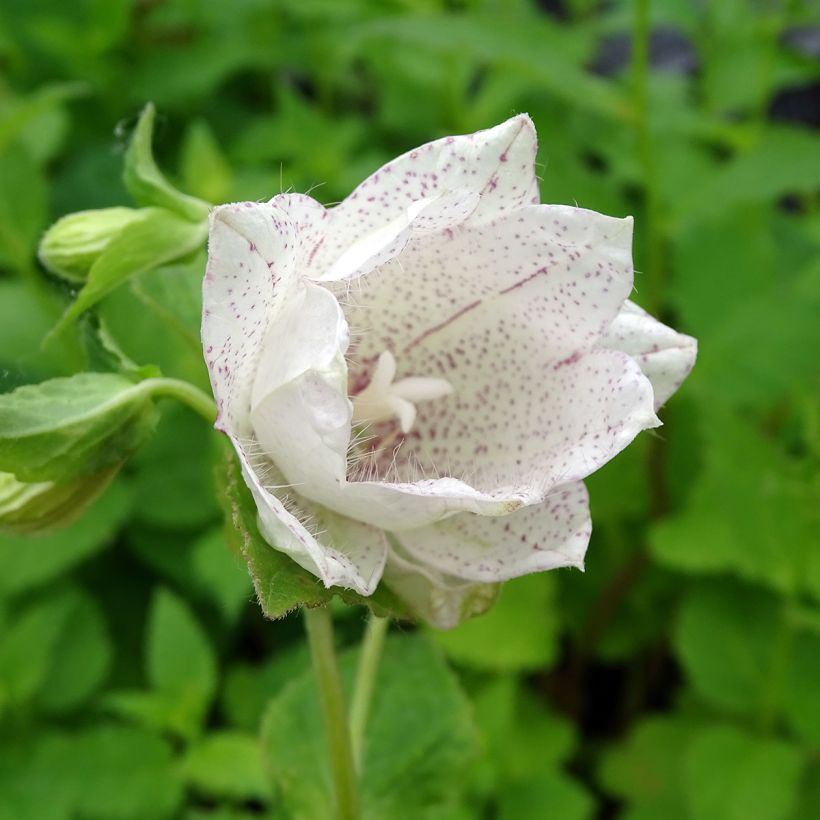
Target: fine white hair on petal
x,y
350,554
664,355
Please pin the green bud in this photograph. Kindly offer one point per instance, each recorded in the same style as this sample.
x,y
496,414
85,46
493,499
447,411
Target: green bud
x,y
64,429
34,507
72,244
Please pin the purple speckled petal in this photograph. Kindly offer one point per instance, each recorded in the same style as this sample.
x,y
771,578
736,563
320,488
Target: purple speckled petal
x,y
350,554
476,548
254,250
664,355
497,165
563,271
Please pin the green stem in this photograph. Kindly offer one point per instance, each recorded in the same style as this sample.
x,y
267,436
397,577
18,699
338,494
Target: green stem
x,y
185,392
371,651
319,628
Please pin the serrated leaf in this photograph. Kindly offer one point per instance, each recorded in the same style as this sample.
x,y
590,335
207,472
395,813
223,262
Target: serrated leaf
x,y
64,428
418,741
156,239
146,183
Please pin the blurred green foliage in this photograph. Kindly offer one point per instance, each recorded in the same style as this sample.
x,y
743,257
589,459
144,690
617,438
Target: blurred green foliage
x,y
677,678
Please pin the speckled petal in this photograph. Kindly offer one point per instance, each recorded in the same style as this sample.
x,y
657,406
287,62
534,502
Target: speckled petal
x,y
301,420
253,253
664,355
497,164
350,554
517,424
476,548
563,271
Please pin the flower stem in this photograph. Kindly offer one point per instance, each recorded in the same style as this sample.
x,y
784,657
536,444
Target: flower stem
x,y
371,651
183,391
319,628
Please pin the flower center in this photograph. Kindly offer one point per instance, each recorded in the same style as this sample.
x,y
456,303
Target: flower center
x,y
384,399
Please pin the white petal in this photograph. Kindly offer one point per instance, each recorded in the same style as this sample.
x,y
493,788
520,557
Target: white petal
x,y
476,548
520,428
564,271
494,170
349,554
664,355
435,597
250,252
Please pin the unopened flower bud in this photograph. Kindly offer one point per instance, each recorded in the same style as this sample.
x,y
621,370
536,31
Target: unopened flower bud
x,y
72,244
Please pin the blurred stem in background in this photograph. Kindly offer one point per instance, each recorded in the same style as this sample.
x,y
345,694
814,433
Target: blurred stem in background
x,y
319,627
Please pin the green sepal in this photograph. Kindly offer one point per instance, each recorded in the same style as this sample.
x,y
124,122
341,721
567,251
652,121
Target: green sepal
x,y
281,585
146,183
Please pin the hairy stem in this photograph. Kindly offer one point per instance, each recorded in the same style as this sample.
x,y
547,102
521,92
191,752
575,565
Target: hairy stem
x,y
319,628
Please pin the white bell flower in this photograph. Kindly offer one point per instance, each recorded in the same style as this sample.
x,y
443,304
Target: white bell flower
x,y
433,365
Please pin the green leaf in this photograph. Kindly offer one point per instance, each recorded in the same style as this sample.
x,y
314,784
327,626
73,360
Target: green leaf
x,y
135,775
752,520
26,648
15,121
646,769
68,427
522,738
23,206
173,473
736,776
518,633
548,795
227,765
147,184
783,161
80,659
27,562
180,663
418,741
249,688
156,239
725,637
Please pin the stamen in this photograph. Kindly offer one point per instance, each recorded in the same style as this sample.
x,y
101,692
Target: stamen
x,y
385,399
